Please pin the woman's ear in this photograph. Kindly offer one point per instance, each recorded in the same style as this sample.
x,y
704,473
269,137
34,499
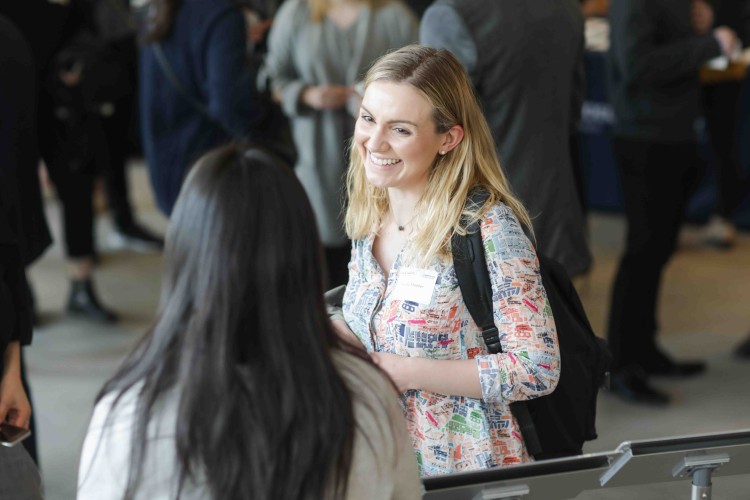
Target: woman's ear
x,y
453,138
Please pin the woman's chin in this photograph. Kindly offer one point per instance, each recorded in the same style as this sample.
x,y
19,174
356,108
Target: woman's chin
x,y
378,180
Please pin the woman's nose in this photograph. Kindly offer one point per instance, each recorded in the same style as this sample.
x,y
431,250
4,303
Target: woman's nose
x,y
376,140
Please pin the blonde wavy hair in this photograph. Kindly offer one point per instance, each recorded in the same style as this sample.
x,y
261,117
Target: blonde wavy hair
x,y
319,8
473,164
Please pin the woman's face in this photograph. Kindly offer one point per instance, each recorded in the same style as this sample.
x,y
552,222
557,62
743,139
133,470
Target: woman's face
x,y
396,137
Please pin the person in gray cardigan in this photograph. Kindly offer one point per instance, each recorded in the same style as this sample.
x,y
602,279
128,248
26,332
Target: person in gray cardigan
x,y
314,65
526,62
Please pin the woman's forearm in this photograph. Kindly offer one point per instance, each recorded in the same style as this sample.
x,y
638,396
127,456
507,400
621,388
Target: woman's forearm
x,y
12,360
346,334
450,377
14,405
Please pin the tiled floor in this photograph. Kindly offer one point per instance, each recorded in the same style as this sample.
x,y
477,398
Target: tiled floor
x,y
704,314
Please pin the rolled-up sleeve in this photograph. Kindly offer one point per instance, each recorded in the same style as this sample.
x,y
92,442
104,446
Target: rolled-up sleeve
x,y
280,59
529,365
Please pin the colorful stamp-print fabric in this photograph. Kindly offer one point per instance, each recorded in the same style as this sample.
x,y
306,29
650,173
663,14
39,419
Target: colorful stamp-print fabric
x,y
455,433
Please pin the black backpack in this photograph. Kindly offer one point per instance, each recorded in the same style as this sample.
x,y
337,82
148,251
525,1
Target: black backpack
x,y
558,424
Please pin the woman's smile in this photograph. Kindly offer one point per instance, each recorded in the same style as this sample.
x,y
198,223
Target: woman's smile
x,y
383,162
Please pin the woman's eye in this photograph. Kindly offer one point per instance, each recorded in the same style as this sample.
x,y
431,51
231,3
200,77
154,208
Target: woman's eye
x,y
367,118
401,131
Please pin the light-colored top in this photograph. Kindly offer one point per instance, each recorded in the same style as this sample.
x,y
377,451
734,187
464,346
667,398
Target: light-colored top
x,y
301,54
456,433
386,470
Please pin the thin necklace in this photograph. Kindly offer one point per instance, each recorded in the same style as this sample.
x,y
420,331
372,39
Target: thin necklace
x,y
401,227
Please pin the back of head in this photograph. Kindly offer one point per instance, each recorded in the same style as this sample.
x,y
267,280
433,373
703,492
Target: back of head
x,y
243,337
442,80
242,237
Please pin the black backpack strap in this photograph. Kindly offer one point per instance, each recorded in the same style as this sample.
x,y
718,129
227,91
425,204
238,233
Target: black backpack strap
x,y
469,264
473,278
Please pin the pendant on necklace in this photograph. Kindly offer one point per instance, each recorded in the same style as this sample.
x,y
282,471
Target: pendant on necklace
x,y
400,228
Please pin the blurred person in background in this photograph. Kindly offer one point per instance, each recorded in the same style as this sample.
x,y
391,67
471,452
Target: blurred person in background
x,y
531,88
294,412
75,78
19,478
743,350
318,52
116,26
196,88
722,112
654,60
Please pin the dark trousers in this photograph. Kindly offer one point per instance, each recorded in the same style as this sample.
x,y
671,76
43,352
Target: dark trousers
x,y
116,129
72,150
30,442
657,181
75,188
721,103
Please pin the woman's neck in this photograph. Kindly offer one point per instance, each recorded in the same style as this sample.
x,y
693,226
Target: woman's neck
x,y
403,204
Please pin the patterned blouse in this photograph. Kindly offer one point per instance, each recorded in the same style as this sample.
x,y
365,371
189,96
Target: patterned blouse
x,y
456,433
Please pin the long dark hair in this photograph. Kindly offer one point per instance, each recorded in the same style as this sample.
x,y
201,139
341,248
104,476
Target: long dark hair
x,y
243,337
160,18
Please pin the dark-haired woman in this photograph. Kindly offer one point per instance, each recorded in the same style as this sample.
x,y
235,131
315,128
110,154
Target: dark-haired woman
x,y
241,388
196,90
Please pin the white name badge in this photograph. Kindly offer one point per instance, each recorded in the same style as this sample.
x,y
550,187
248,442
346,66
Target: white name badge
x,y
415,285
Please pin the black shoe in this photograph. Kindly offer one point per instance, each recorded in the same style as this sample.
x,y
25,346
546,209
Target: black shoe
x,y
136,238
743,350
632,384
84,303
662,365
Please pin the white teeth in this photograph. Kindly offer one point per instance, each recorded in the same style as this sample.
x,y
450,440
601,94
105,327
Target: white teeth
x,y
384,161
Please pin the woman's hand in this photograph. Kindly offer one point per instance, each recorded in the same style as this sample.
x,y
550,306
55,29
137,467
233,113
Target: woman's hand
x,y
14,405
346,334
325,97
727,39
397,367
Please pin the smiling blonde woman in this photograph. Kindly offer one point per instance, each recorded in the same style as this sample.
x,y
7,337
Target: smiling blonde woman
x,y
421,146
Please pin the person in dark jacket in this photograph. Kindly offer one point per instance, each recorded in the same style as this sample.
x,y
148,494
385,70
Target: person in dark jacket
x,y
66,56
531,88
742,351
722,111
27,16
204,97
655,56
18,475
